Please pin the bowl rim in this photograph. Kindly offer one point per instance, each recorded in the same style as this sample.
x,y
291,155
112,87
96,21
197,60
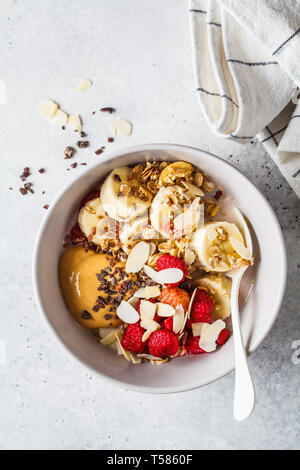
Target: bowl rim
x,y
139,148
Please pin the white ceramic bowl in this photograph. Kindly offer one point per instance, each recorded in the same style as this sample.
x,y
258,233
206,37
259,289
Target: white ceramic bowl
x,y
257,316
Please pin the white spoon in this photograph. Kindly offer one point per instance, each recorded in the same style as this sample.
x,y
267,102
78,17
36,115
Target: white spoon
x,y
244,394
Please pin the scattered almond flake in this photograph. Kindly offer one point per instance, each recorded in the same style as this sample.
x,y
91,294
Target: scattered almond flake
x,y
153,326
151,273
133,301
191,303
124,127
188,220
193,189
120,348
198,328
152,291
159,361
212,234
60,117
178,319
75,122
189,256
48,108
152,248
210,335
241,249
109,339
137,257
113,127
169,276
103,332
135,359
84,84
147,311
127,313
164,310
149,356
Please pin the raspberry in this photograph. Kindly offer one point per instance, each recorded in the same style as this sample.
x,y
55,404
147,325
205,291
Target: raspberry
x,y
162,343
174,296
168,323
76,233
132,339
201,312
169,261
192,345
90,196
223,337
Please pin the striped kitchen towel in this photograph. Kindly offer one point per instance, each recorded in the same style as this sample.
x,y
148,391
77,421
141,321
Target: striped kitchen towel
x,y
247,70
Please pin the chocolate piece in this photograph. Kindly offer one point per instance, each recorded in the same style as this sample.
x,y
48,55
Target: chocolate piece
x,y
97,152
86,315
69,152
83,144
110,139
107,110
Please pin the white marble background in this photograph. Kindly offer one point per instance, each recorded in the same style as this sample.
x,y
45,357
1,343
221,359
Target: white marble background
x,y
138,54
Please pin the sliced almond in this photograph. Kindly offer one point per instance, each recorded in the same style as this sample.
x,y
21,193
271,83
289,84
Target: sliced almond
x,y
140,293
189,256
212,234
191,303
198,328
210,335
178,319
170,276
127,313
152,291
75,122
241,249
164,310
147,310
124,127
103,332
48,108
153,326
113,127
148,356
84,84
193,189
135,359
133,301
120,348
152,248
151,273
60,117
109,339
137,257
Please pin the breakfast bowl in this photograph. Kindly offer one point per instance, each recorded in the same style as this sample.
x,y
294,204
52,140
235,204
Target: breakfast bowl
x,y
258,308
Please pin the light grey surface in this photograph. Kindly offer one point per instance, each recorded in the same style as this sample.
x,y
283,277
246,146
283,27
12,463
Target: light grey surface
x,y
138,55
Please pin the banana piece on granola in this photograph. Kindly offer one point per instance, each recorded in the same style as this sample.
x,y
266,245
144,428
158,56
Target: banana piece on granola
x,y
94,223
220,247
175,170
124,199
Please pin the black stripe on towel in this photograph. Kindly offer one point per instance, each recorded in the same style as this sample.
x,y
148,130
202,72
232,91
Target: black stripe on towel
x,y
217,94
296,174
251,64
193,10
212,23
272,136
286,41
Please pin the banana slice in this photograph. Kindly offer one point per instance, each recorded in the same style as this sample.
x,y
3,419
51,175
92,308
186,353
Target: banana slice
x,y
219,287
220,247
136,230
94,223
173,214
120,196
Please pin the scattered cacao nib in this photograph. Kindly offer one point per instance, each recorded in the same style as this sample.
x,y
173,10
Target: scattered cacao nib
x,y
42,170
110,139
23,191
108,316
25,174
97,152
86,315
107,110
10,188
63,128
84,164
43,192
102,148
69,152
83,144
83,134
73,165
46,206
186,284
117,178
218,195
27,186
94,112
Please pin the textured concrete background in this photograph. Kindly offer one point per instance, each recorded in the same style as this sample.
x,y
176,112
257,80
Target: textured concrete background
x,y
138,55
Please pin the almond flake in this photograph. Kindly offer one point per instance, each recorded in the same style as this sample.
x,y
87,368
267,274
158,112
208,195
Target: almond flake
x,y
241,249
152,291
127,313
193,189
178,319
48,108
120,348
191,303
133,301
137,257
60,117
164,310
151,273
212,234
109,339
75,122
189,256
84,84
153,326
149,356
113,127
152,248
210,335
147,310
124,127
198,328
135,359
170,276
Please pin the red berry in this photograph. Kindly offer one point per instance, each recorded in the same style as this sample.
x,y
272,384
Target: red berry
x,y
168,323
201,312
163,343
76,233
192,345
90,196
132,339
169,261
223,337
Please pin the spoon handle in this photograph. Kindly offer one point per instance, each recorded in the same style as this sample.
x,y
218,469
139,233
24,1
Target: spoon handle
x,y
244,394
